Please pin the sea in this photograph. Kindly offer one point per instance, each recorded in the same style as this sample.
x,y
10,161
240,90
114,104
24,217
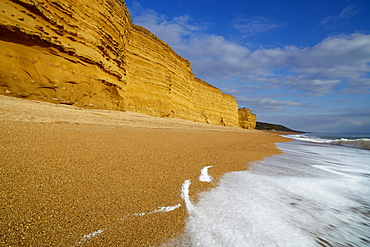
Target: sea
x,y
317,193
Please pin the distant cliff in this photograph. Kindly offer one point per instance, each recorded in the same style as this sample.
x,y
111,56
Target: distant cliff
x,y
88,53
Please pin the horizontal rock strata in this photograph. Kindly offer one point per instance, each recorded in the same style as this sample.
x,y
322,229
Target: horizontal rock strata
x,y
90,54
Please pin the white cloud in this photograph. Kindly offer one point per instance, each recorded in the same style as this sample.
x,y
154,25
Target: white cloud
x,y
351,50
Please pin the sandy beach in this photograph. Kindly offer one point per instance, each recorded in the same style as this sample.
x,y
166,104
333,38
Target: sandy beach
x,y
81,177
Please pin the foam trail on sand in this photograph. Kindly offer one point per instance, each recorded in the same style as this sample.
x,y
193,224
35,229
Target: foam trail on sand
x,y
204,176
91,235
185,196
161,209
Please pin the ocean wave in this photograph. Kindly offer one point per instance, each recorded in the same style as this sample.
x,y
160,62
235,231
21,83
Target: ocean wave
x,y
363,143
360,143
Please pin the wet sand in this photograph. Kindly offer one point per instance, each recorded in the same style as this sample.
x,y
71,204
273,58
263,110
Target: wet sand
x,y
80,177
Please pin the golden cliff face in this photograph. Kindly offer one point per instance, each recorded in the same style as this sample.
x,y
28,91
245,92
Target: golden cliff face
x,y
89,54
64,51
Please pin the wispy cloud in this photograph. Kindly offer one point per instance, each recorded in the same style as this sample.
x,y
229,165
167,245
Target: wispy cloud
x,y
267,104
255,25
348,12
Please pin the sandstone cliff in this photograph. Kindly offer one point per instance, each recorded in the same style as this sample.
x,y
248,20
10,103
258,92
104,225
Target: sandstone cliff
x,y
247,120
89,54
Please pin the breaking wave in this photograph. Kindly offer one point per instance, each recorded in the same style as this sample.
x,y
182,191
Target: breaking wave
x,y
363,143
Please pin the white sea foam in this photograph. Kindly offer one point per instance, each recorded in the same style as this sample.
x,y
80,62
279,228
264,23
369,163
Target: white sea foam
x,y
185,196
312,195
204,176
160,210
88,236
167,209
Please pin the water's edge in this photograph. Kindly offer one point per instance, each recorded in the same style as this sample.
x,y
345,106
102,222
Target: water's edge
x,y
313,194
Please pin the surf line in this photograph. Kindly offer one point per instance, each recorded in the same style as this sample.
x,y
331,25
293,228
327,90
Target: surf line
x,y
98,232
204,177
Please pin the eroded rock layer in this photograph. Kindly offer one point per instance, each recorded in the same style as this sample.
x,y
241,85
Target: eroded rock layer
x,y
247,120
89,54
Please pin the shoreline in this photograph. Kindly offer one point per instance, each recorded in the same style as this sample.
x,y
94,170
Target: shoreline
x,y
74,176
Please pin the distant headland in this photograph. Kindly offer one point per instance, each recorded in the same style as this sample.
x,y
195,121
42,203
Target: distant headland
x,y
274,127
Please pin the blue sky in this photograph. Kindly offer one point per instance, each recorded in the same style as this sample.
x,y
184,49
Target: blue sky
x,y
303,64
